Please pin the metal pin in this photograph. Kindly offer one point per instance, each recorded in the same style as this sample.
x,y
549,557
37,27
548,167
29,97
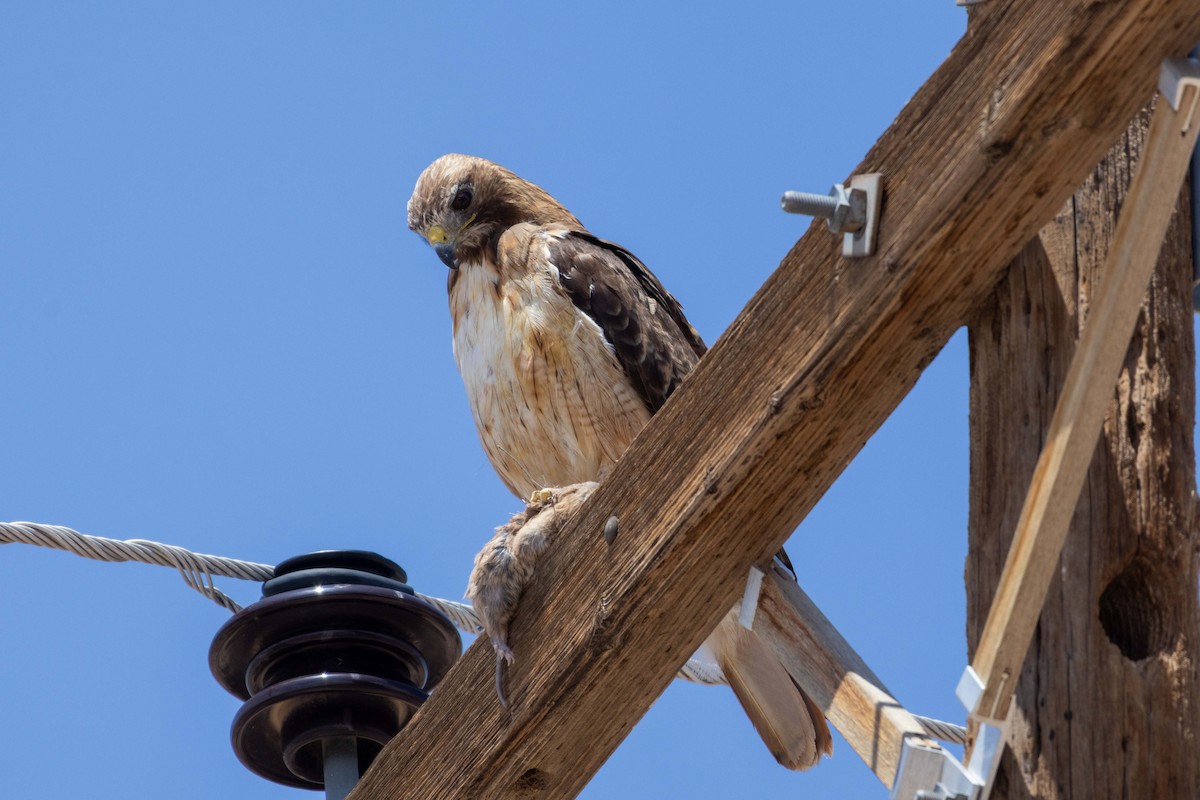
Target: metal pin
x,y
341,766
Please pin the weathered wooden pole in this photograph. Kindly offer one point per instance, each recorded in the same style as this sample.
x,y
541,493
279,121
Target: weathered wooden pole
x,y
1108,702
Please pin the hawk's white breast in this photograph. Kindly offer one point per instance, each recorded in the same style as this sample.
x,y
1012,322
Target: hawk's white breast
x,y
551,401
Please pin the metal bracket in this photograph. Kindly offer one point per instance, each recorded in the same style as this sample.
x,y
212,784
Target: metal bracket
x,y
749,605
861,243
851,210
985,757
931,773
969,690
1175,76
989,738
927,772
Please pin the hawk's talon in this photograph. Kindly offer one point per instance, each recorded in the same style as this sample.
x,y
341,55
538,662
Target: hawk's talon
x,y
540,497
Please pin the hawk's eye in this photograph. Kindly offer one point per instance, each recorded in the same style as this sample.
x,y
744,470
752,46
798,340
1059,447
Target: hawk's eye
x,y
462,199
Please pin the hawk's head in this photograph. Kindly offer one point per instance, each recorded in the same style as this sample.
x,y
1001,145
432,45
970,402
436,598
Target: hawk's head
x,y
461,205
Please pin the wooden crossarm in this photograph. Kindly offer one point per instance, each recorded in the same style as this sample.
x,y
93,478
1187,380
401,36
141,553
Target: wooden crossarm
x,y
979,159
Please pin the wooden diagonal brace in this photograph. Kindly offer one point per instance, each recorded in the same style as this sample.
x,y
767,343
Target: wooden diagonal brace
x,y
838,680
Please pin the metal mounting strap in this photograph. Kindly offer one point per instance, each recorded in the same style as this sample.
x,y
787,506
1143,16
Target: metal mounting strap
x,y
1173,79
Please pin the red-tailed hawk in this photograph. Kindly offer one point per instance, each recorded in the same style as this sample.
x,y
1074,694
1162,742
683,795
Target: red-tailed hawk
x,y
567,344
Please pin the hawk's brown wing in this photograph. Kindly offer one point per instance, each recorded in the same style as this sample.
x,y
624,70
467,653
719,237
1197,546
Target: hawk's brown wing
x,y
645,325
654,342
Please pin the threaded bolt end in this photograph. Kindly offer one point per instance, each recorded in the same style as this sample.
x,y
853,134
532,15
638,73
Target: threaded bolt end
x,y
814,205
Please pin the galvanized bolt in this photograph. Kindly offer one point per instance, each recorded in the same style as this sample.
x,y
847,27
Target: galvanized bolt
x,y
845,209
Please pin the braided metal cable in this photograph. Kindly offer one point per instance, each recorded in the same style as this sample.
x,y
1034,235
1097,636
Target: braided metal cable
x,y
945,731
198,570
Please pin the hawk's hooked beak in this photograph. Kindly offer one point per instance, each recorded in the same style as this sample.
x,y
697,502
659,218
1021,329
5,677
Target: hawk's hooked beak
x,y
442,245
445,251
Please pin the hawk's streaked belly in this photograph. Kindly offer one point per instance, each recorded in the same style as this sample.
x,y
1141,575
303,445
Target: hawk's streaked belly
x,y
552,404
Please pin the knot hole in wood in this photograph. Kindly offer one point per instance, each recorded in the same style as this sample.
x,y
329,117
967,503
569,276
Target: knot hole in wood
x,y
531,783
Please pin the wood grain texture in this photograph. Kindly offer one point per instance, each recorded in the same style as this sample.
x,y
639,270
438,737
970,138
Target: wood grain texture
x,y
874,723
977,161
1107,703
1079,413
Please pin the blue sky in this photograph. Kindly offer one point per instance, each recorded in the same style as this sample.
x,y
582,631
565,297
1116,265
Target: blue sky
x,y
218,333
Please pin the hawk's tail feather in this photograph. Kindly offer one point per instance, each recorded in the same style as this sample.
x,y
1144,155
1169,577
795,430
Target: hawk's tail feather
x,y
791,725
